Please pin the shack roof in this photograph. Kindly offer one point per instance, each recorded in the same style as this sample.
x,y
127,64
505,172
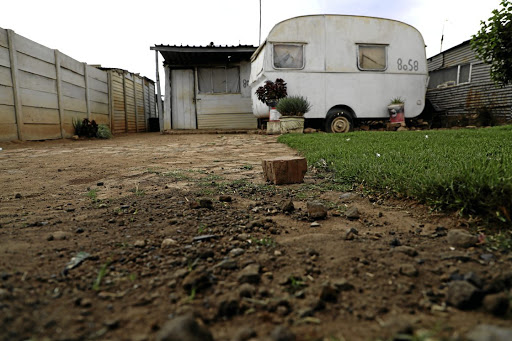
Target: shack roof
x,y
199,55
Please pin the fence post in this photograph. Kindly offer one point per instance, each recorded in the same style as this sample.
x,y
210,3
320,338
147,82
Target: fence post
x,y
87,104
125,108
135,103
15,86
110,101
59,93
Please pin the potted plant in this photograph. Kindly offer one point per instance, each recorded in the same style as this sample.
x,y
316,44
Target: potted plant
x,y
271,92
292,110
396,111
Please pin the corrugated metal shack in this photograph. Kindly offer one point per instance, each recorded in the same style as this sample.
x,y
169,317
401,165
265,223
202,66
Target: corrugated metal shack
x,y
207,87
132,101
461,90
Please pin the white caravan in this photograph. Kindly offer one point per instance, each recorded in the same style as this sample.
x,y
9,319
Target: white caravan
x,y
348,67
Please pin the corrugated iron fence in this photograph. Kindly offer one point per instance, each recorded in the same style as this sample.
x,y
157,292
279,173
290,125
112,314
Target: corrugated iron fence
x,y
42,91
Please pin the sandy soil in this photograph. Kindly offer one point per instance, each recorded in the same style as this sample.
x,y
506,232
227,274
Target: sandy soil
x,y
156,249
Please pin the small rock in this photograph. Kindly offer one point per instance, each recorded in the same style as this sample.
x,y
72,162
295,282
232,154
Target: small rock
x,y
287,206
486,332
352,213
408,270
461,238
228,306
346,196
250,274
463,295
197,279
316,210
246,290
487,257
140,243
206,203
351,233
225,198
17,196
281,333
342,284
245,334
227,264
168,242
184,328
496,304
236,252
60,235
79,230
329,293
409,251
500,283
395,242
99,184
315,224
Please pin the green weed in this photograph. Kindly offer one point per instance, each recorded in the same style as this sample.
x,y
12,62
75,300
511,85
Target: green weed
x,y
101,273
93,195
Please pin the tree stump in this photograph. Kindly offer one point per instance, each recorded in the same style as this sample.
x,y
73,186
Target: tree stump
x,y
285,170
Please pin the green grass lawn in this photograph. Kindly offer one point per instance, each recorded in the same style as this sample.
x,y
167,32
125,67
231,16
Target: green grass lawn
x,y
469,170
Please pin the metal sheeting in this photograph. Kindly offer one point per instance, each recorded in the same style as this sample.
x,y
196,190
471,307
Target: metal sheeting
x,y
468,98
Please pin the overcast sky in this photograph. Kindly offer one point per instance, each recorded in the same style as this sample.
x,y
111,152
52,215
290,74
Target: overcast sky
x,y
119,33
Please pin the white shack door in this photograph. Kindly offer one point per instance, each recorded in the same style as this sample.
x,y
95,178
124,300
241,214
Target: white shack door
x,y
183,108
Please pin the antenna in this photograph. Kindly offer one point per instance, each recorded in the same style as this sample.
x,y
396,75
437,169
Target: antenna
x,y
442,36
259,41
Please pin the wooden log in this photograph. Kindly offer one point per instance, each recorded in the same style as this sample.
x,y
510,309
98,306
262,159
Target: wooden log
x,y
285,170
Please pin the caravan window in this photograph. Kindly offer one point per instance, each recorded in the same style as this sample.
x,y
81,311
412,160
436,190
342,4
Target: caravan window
x,y
288,56
219,80
372,57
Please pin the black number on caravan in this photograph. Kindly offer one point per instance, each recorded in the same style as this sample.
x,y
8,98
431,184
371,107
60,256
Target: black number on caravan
x,y
410,66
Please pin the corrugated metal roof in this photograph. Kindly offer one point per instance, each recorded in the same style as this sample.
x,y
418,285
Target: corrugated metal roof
x,y
175,55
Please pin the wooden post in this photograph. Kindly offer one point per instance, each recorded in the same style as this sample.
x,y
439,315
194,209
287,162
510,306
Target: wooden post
x,y
59,93
135,103
159,93
125,109
87,104
15,86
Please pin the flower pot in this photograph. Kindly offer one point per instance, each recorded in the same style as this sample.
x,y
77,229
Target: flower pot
x,y
396,113
292,124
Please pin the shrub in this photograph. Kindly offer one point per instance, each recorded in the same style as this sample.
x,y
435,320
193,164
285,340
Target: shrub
x,y
85,128
293,106
103,132
271,92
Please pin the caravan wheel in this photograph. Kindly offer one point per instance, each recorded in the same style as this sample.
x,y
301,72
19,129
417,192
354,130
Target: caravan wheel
x,y
338,122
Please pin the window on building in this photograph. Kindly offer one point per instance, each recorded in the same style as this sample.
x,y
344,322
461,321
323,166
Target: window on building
x,y
372,57
219,80
450,76
288,56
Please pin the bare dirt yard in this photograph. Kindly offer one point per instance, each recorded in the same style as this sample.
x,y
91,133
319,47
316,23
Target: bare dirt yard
x,y
178,237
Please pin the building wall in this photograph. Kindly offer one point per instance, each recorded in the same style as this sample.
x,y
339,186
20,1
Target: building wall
x,y
469,99
213,111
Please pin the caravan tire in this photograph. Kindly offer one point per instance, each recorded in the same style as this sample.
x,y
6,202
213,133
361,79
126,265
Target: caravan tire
x,y
339,121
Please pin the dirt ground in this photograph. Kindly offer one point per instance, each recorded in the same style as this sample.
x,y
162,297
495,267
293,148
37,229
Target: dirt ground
x,y
154,247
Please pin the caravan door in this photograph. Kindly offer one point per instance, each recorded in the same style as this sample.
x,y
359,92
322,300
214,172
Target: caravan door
x,y
182,93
